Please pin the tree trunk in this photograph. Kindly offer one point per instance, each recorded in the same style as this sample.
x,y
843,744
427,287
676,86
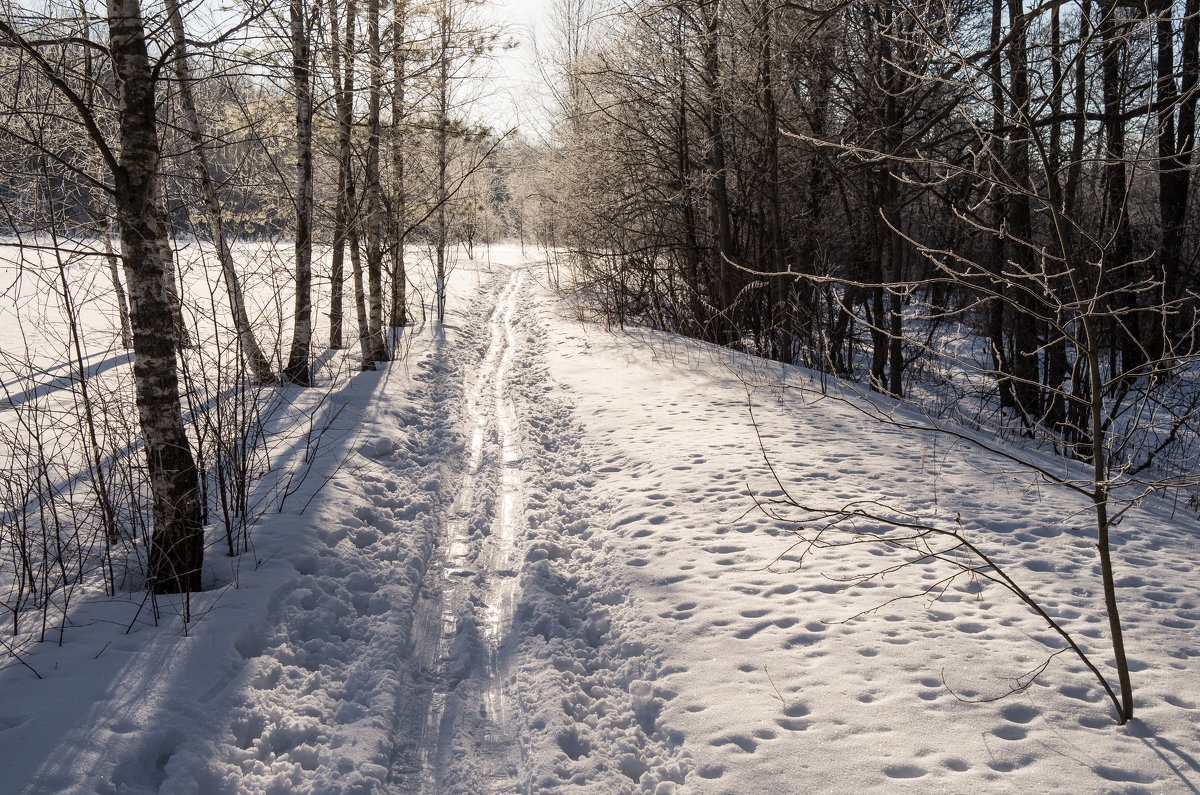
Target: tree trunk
x,y
177,542
114,272
1100,473
892,132
782,285
374,188
721,227
1177,128
398,313
1019,237
297,369
879,342
1078,406
1057,364
360,295
804,295
163,239
443,131
1118,266
343,208
996,305
895,276
683,160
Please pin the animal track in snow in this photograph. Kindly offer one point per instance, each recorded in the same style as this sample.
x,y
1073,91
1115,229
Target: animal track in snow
x,y
904,771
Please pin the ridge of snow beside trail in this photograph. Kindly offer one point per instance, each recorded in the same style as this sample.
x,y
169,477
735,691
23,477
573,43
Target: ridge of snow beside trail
x,y
585,685
288,682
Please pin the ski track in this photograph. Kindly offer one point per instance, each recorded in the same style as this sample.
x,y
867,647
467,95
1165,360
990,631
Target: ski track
x,y
455,660
521,664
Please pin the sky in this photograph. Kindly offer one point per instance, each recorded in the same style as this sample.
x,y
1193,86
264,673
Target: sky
x,y
520,97
515,95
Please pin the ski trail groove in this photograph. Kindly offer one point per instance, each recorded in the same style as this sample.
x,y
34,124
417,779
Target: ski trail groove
x,y
455,696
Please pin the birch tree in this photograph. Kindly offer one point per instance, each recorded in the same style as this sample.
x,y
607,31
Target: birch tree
x,y
374,188
177,545
297,369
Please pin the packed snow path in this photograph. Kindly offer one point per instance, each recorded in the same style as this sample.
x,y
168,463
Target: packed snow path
x,y
451,642
523,562
504,627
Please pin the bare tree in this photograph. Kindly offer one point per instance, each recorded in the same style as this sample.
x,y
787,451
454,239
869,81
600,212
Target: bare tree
x,y
374,188
298,365
178,542
398,312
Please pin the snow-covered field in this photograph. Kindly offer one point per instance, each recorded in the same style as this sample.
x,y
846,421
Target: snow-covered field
x,y
531,567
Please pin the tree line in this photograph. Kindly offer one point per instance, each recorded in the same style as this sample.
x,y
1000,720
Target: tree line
x,y
779,175
984,208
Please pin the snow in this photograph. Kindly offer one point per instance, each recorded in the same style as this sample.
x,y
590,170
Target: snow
x,y
527,559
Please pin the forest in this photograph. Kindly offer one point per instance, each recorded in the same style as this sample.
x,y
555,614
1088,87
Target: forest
x,y
126,131
971,222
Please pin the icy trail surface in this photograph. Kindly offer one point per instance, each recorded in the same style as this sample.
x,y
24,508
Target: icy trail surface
x,y
526,562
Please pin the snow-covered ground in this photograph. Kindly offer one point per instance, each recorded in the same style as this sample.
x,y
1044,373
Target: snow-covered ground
x,y
533,566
